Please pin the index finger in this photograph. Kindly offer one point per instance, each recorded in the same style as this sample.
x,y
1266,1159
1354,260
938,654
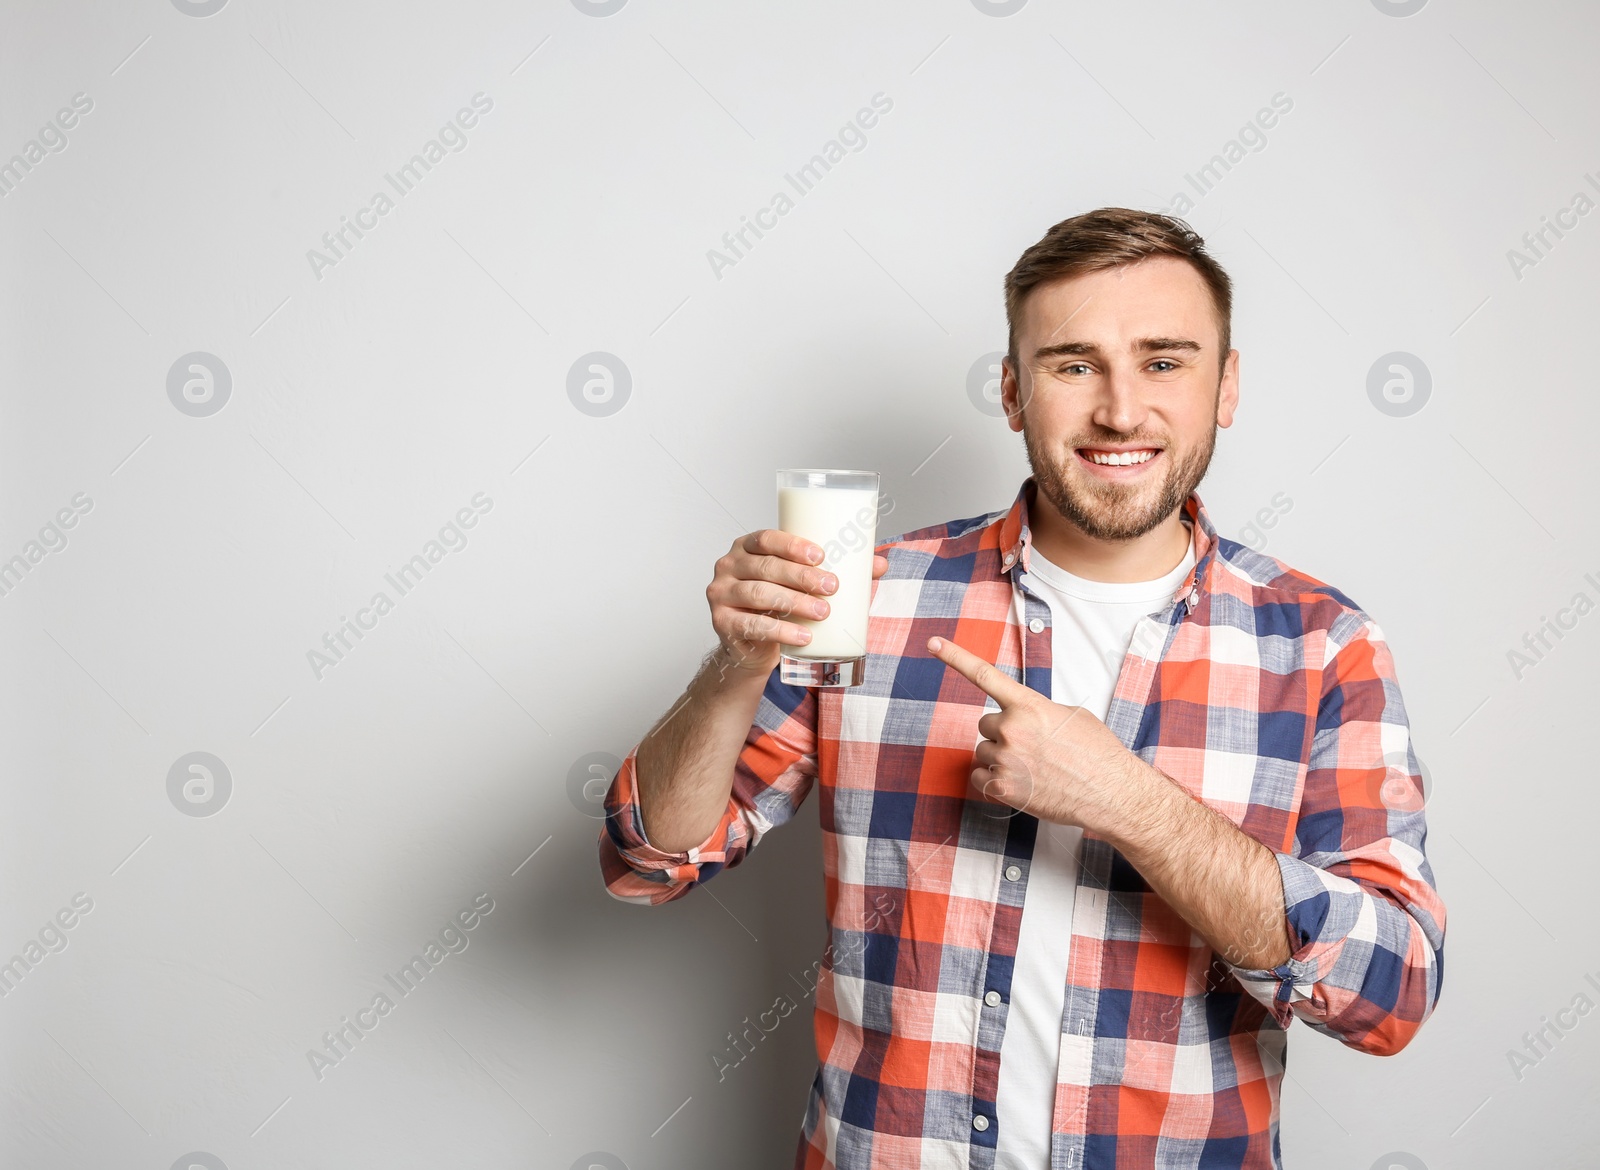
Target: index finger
x,y
784,544
983,675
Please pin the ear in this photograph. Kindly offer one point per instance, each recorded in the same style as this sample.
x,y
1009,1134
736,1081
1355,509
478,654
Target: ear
x,y
1010,394
1228,389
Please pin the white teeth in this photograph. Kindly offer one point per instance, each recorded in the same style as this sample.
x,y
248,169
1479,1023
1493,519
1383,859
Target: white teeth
x,y
1120,458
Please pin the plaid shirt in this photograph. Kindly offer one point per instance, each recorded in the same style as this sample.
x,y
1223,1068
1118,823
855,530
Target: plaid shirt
x,y
1263,693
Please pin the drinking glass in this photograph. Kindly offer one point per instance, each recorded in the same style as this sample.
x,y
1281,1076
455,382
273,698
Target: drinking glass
x,y
838,512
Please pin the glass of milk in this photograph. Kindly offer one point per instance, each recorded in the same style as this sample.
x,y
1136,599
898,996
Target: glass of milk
x,y
838,512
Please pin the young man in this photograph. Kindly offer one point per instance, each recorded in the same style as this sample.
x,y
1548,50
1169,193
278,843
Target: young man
x,y
1118,800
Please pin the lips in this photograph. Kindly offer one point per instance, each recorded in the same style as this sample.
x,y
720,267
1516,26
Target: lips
x,y
1119,456
1118,463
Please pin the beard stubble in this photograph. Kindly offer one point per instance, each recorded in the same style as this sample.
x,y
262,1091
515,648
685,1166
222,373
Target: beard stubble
x,y
1115,511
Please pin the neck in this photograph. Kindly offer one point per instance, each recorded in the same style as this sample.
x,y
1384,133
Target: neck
x,y
1144,558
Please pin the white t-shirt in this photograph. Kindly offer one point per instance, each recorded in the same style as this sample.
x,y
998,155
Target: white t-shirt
x,y
1091,626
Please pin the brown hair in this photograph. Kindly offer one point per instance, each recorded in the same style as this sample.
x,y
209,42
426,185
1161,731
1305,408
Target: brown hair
x,y
1110,238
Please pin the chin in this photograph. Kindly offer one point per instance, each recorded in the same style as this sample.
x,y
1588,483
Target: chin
x,y
1105,509
1111,511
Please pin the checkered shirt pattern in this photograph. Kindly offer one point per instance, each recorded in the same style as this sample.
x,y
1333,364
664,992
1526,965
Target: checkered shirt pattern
x,y
1260,691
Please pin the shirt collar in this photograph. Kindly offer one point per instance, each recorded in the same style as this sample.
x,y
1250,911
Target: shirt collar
x,y
1016,539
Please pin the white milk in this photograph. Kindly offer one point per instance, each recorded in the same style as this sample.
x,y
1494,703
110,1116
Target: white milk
x,y
843,522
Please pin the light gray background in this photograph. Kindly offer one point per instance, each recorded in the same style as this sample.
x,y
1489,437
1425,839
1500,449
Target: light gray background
x,y
368,406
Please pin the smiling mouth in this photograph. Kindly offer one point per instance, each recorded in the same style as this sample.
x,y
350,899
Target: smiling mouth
x,y
1110,458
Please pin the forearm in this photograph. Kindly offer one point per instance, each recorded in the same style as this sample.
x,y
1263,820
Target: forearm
x,y
686,763
1224,883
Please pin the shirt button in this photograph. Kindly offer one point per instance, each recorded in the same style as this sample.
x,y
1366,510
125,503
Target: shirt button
x,y
980,1122
1036,625
1013,872
992,998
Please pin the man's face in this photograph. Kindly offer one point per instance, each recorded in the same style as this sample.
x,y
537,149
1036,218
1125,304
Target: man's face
x,y
1114,365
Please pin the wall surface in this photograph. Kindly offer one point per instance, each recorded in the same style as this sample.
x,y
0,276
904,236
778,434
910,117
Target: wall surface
x,y
537,364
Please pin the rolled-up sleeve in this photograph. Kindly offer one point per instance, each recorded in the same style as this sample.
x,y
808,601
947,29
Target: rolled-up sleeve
x,y
1364,913
772,776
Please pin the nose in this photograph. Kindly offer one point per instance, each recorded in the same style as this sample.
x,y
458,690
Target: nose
x,y
1119,407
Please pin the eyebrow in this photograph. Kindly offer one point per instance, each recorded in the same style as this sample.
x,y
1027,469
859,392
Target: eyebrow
x,y
1089,348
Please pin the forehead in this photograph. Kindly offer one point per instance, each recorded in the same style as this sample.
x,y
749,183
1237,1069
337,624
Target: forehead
x,y
1159,296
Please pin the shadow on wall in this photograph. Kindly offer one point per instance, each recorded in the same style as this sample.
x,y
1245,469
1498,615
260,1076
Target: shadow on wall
x,y
665,1003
